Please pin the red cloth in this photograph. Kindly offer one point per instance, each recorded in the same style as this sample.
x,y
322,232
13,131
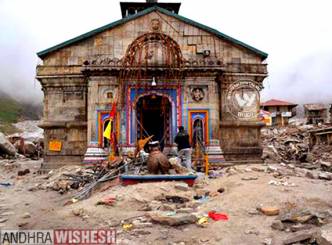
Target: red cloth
x,y
217,216
113,111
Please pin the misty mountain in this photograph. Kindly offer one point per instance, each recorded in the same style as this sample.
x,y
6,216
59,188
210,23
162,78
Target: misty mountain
x,y
12,110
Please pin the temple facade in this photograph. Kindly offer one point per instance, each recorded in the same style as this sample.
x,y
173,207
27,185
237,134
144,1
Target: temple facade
x,y
160,70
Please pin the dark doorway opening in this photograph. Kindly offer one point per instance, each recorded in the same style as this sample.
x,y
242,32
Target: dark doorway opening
x,y
153,115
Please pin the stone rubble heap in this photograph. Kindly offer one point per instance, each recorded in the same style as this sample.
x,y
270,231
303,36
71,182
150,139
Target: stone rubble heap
x,y
290,145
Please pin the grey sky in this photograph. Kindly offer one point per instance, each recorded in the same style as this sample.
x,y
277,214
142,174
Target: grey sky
x,y
297,35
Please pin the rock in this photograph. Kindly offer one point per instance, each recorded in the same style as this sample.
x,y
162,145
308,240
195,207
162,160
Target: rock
x,y
141,232
326,166
221,190
253,212
185,210
26,215
182,186
249,178
300,227
251,231
277,225
325,237
23,172
301,216
324,176
174,220
78,212
300,236
311,175
269,211
140,224
5,146
267,241
30,148
22,224
271,169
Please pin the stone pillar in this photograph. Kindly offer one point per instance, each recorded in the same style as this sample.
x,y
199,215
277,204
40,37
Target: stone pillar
x,y
240,127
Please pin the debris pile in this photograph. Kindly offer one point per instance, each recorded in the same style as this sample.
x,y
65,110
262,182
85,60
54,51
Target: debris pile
x,y
290,145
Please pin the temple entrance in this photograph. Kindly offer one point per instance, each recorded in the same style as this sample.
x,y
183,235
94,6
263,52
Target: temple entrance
x,y
154,118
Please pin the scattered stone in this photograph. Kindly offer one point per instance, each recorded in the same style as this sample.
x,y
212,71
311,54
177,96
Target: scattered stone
x,y
221,190
254,212
269,211
22,224
26,215
182,186
299,237
141,232
300,227
324,176
325,237
277,225
140,224
252,231
311,175
326,166
185,210
23,172
78,212
267,241
174,220
249,178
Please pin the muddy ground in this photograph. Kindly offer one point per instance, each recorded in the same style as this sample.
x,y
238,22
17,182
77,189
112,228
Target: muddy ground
x,y
27,204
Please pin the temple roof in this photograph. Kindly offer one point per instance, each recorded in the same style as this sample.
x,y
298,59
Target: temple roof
x,y
122,21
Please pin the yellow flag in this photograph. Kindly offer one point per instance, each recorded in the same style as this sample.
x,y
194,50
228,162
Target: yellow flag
x,y
107,132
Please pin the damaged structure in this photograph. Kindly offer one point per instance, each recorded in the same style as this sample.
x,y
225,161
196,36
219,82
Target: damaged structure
x,y
160,70
316,113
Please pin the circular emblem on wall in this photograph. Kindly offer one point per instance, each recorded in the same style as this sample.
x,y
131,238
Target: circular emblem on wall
x,y
242,99
197,94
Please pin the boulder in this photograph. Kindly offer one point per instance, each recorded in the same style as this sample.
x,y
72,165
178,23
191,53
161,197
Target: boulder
x,y
325,176
30,148
5,146
173,220
325,237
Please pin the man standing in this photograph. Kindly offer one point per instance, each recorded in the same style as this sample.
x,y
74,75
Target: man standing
x,y
184,148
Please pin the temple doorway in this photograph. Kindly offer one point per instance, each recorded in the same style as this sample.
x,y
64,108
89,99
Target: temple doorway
x,y
154,118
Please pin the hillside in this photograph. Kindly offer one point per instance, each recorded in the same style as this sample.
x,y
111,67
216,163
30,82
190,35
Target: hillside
x,y
12,111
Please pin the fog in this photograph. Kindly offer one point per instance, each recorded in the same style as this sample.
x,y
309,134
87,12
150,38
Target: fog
x,y
296,34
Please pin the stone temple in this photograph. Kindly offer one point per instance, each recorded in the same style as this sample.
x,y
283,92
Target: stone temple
x,y
161,70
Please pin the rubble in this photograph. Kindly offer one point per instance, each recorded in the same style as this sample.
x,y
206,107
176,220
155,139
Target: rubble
x,y
291,145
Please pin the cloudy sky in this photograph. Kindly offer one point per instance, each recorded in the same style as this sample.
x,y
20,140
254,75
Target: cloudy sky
x,y
297,35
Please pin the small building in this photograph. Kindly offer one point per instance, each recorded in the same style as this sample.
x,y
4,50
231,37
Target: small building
x,y
316,113
160,70
280,111
320,136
